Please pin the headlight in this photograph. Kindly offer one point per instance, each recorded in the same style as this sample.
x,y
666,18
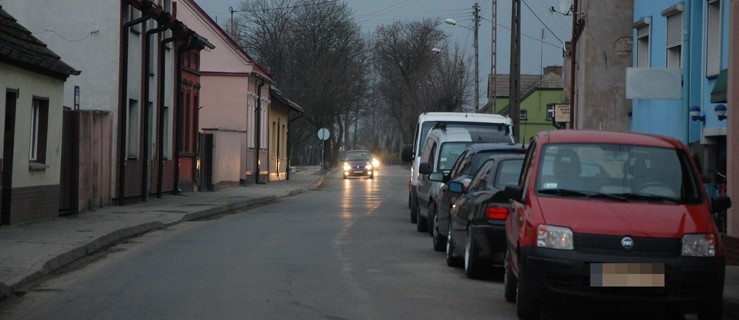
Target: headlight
x,y
347,167
368,167
699,245
554,237
375,162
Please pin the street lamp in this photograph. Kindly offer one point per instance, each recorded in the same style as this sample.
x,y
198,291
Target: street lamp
x,y
477,63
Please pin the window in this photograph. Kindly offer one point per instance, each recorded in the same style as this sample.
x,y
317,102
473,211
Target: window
x,y
550,112
713,37
642,46
524,114
674,40
39,128
132,142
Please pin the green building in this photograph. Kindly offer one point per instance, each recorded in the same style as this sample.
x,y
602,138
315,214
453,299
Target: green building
x,y
539,94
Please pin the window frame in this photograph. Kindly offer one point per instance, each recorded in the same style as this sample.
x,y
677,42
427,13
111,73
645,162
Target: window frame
x,y
714,20
39,128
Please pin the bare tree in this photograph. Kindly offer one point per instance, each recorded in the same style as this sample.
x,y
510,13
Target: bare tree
x,y
412,77
318,56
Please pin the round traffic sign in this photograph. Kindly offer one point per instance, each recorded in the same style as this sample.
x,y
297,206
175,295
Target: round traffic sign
x,y
323,134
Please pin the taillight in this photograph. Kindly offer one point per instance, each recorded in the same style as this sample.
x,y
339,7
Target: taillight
x,y
496,213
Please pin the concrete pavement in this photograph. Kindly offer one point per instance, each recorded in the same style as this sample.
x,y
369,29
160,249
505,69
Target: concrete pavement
x,y
30,251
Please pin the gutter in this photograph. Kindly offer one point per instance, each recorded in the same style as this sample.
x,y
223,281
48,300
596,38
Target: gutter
x,y
145,98
160,108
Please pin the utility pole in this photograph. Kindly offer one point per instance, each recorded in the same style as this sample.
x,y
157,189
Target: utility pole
x,y
573,61
515,81
476,13
493,58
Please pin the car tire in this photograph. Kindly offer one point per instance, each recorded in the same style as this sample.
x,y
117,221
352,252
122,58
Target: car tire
x,y
473,267
421,223
437,239
430,219
526,306
509,280
451,260
372,176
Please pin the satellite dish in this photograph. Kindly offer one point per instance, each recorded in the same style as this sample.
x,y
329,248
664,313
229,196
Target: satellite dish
x,y
565,6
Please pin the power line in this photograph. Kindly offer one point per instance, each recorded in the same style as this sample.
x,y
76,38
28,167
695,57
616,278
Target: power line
x,y
528,36
542,22
281,8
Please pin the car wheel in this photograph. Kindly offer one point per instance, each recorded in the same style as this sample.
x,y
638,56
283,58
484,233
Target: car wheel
x,y
509,280
438,240
473,267
451,260
431,218
526,306
414,210
421,223
372,176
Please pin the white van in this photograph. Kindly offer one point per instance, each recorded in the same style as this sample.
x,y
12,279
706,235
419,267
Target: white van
x,y
484,127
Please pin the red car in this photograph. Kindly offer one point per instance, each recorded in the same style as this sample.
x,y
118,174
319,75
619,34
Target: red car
x,y
615,218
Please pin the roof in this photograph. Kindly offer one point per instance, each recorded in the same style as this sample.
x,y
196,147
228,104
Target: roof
x,y
528,82
227,38
20,48
463,117
485,147
594,136
277,94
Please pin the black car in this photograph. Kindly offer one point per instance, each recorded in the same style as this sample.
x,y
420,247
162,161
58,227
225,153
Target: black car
x,y
462,171
477,226
358,163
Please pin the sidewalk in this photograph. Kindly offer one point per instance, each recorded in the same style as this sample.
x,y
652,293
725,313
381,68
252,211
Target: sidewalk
x,y
33,250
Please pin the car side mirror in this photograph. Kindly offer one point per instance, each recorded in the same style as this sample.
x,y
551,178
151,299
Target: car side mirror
x,y
456,187
424,168
437,177
514,193
407,153
720,203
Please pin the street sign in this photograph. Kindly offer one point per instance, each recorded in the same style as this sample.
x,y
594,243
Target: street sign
x,y
562,113
323,134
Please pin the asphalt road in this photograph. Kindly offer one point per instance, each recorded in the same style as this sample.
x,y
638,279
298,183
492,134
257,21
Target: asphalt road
x,y
344,251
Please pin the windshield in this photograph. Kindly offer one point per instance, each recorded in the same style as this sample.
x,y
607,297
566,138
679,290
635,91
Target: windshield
x,y
357,155
622,172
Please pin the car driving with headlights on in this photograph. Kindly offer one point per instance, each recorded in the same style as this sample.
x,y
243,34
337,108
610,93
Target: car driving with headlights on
x,y
358,163
639,235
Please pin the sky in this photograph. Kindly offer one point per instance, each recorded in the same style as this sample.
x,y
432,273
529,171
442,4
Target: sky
x,y
536,20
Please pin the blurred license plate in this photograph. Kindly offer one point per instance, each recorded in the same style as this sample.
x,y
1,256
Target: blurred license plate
x,y
627,275
358,171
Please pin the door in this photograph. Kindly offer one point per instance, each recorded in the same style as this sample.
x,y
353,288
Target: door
x,y
11,97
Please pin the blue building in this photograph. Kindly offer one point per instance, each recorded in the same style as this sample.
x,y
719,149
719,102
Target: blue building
x,y
678,80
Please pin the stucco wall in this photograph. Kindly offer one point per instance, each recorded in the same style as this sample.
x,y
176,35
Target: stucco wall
x,y
30,85
602,60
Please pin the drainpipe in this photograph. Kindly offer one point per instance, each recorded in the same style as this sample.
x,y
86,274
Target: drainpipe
x,y
687,12
160,108
123,109
258,129
145,122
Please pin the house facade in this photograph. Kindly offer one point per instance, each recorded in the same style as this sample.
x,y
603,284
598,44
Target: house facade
x,y
244,128
131,110
32,78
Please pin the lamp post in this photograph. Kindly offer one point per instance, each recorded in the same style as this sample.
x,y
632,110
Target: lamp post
x,y
476,14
